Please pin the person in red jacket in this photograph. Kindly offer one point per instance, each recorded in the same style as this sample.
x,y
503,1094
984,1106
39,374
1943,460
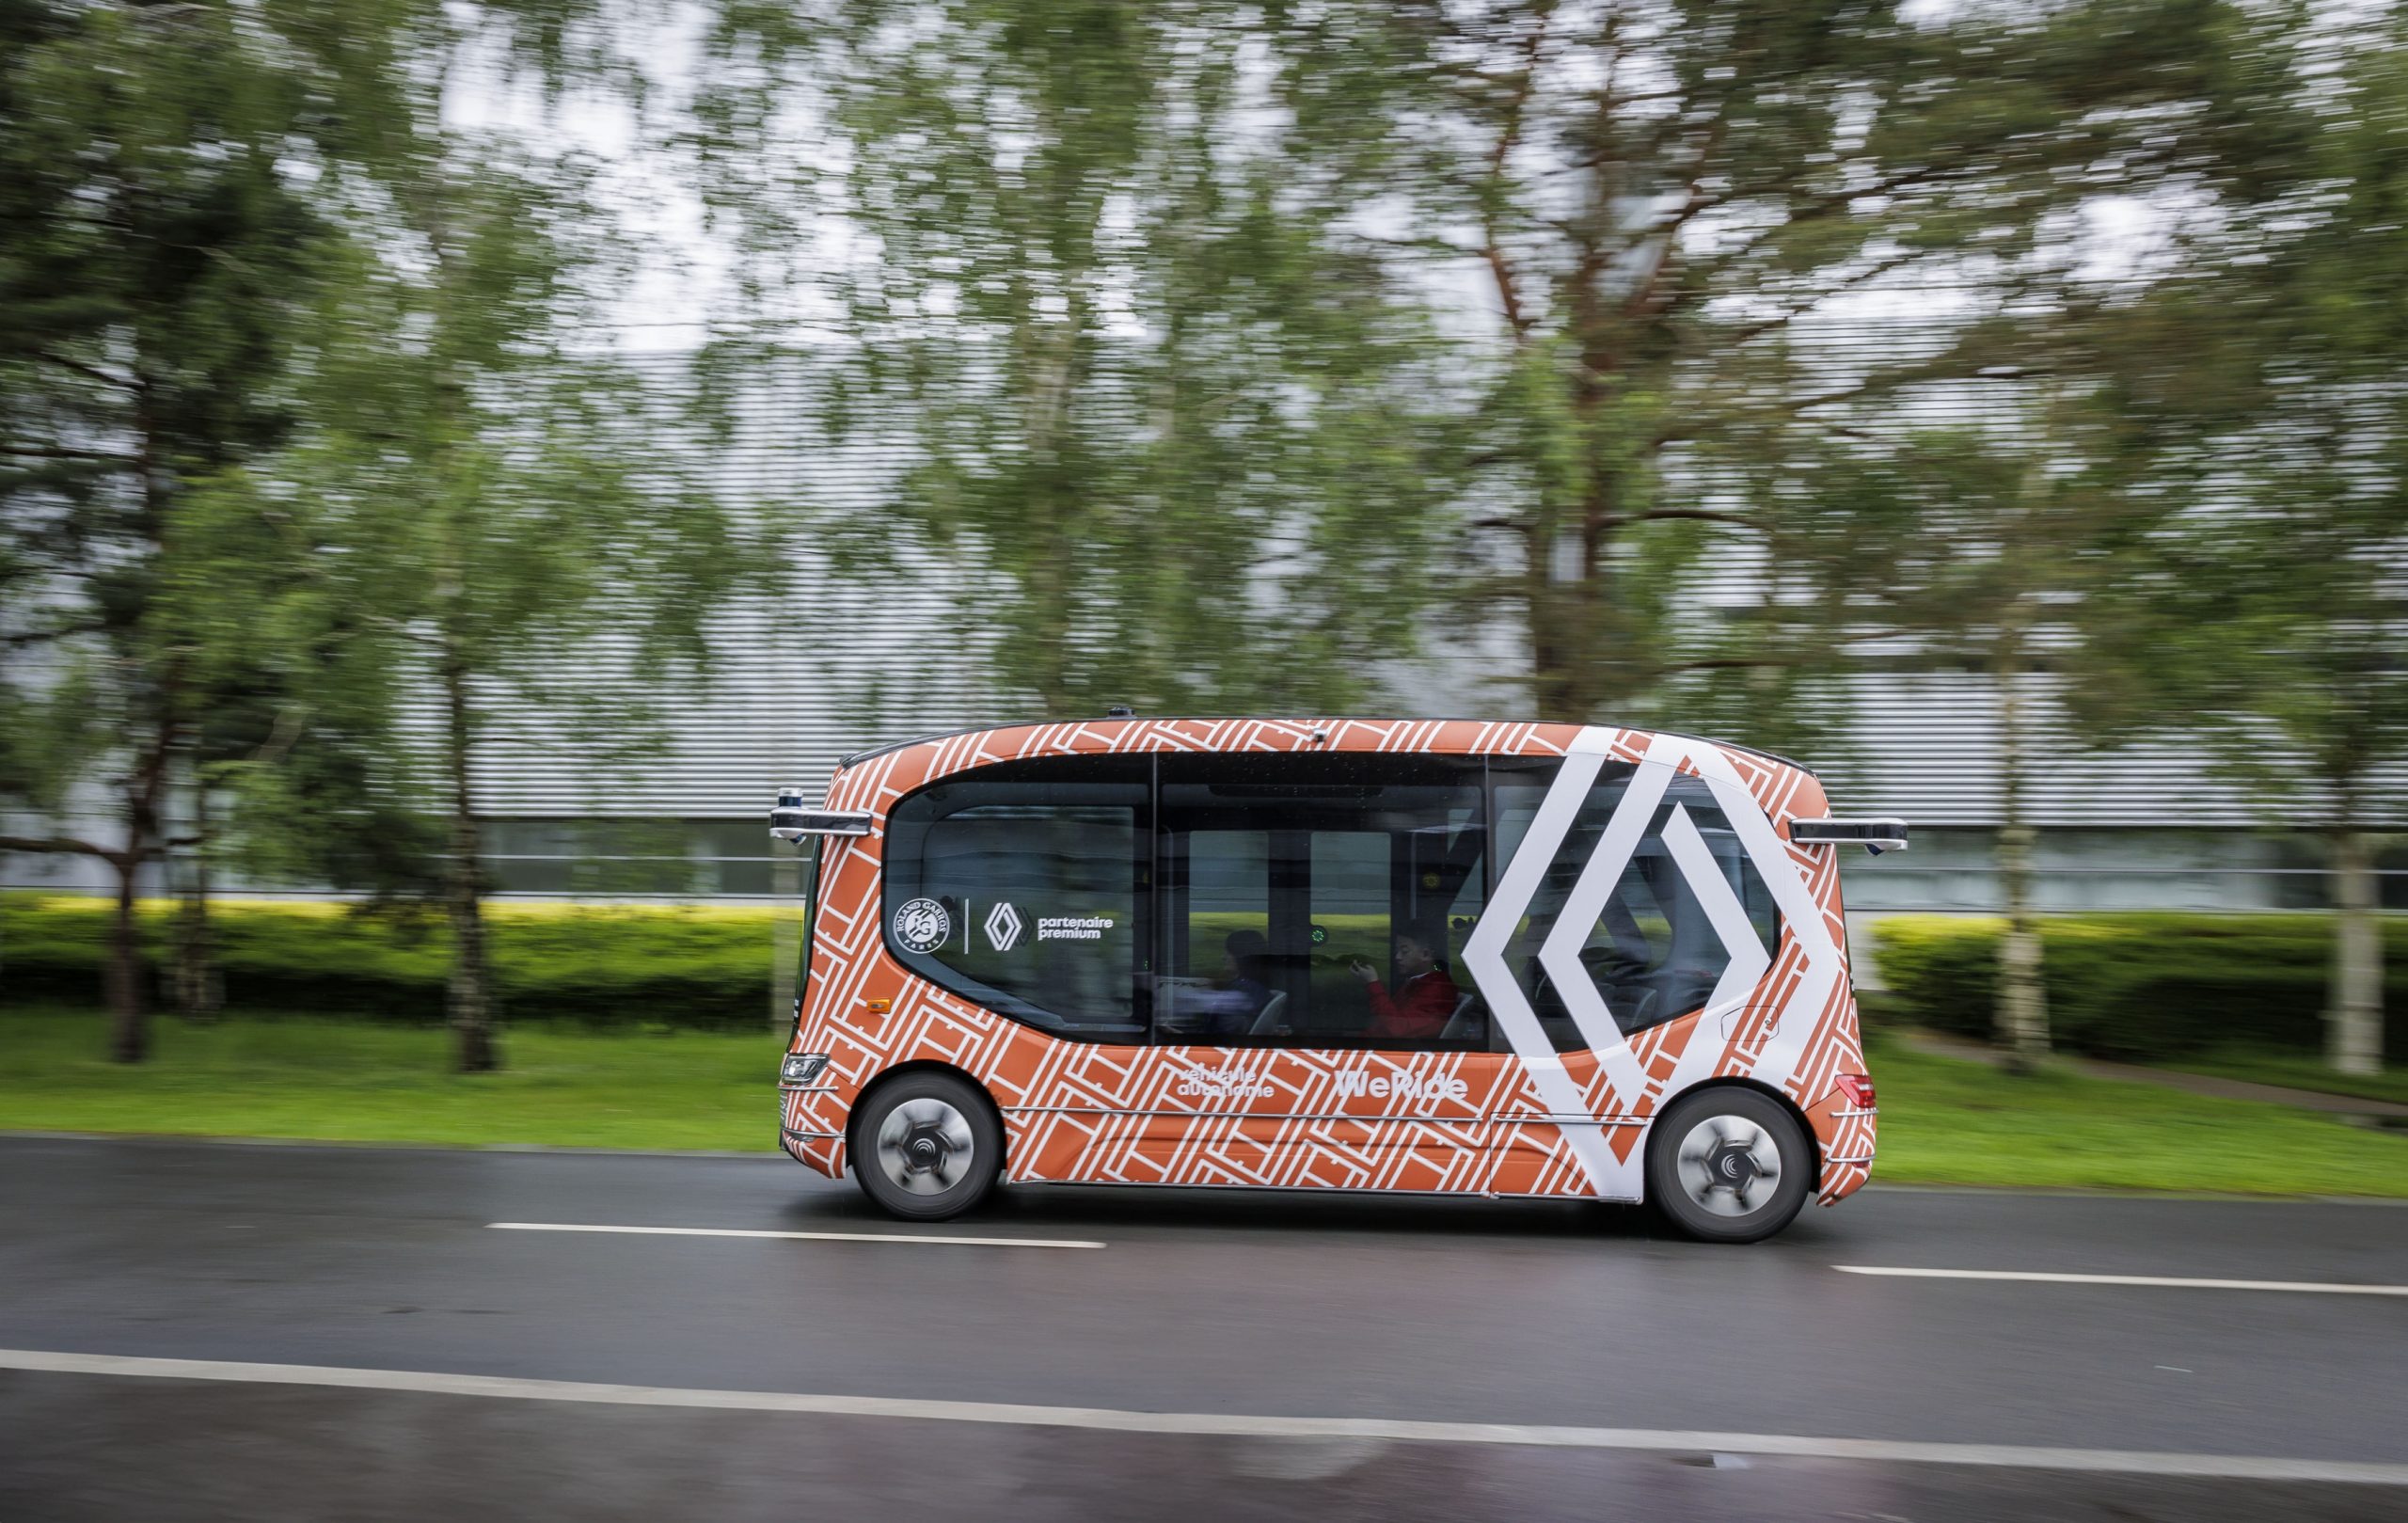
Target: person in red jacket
x,y
1424,997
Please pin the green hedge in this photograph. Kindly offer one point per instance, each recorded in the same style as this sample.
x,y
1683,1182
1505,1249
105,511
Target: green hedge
x,y
2132,986
2138,986
697,966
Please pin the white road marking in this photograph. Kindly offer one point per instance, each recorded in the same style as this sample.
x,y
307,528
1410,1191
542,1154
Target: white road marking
x,y
2303,1287
1224,1425
803,1237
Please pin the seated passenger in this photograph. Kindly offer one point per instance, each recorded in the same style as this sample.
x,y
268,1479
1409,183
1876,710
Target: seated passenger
x,y
1228,1009
1423,1000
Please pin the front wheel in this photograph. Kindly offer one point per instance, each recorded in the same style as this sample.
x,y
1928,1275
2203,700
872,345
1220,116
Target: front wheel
x,y
1728,1164
927,1147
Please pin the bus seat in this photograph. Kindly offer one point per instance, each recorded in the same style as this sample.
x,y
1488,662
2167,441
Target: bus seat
x,y
1268,1021
1462,1025
1634,1005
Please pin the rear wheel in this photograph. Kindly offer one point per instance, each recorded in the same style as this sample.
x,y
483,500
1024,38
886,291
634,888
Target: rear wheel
x,y
927,1147
1728,1164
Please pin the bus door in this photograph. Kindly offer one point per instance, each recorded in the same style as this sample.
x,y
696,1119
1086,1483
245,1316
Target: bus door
x,y
1312,1023
1639,935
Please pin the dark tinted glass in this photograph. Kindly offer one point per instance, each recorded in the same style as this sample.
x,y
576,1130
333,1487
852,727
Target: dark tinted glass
x,y
1319,901
1022,887
1653,953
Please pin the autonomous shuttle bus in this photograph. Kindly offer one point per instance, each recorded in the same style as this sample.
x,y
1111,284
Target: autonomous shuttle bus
x,y
1403,955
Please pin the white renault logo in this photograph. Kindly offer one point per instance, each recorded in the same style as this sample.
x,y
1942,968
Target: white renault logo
x,y
1560,953
1003,927
1484,951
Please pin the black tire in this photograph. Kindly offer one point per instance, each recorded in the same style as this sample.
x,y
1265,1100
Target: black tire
x,y
1707,1161
927,1147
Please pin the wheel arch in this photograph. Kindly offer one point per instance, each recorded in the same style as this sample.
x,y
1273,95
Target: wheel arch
x,y
1779,1096
859,1106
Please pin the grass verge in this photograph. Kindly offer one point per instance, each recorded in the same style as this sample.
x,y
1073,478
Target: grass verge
x,y
2295,1071
351,1082
1942,1122
1946,1121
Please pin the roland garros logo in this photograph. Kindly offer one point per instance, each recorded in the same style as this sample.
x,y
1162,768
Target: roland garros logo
x,y
923,924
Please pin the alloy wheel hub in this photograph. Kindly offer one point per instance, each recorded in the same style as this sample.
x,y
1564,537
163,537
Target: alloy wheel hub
x,y
924,1149
1728,1164
1731,1166
925,1145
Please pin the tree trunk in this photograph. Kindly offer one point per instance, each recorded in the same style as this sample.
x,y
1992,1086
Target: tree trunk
x,y
1557,691
199,989
2353,1023
1565,592
2022,999
129,1028
471,990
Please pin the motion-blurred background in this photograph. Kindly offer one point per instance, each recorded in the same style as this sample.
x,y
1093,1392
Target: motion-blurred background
x,y
461,453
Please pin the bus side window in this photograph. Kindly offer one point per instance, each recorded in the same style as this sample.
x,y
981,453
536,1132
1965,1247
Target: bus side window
x,y
1023,888
1653,953
1319,901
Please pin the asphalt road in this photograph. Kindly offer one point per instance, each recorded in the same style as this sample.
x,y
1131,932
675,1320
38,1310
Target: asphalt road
x,y
1427,1324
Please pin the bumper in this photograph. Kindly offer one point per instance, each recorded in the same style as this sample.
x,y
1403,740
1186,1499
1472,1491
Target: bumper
x,y
1843,1138
811,1128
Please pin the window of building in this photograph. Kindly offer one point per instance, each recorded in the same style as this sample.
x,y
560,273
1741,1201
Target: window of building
x,y
1656,949
1319,901
1024,887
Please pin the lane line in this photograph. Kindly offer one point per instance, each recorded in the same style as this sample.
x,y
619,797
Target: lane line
x,y
1223,1424
2302,1287
799,1237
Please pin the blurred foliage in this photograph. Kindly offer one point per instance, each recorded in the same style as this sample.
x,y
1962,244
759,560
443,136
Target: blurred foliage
x,y
1245,348
1172,425
1228,355
687,967
1657,193
156,253
2141,986
297,425
2265,615
2268,614
485,503
154,260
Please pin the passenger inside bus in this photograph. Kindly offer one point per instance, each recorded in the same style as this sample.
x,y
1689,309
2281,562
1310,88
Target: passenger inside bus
x,y
1424,997
1230,1006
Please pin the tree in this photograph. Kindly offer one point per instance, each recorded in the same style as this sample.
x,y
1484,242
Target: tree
x,y
491,509
2325,528
2271,635
1655,195
1981,553
295,429
1171,434
154,249
2270,621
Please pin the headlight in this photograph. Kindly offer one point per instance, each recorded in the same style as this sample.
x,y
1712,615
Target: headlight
x,y
801,1069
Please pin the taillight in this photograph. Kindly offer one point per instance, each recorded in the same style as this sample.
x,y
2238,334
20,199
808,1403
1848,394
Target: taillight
x,y
1859,1090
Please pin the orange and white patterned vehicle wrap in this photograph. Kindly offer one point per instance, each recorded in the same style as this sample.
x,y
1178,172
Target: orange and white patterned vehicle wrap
x,y
1526,1122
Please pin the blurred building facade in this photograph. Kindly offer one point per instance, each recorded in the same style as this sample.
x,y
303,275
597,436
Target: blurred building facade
x,y
868,641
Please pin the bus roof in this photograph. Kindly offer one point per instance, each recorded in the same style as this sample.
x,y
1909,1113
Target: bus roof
x,y
859,756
